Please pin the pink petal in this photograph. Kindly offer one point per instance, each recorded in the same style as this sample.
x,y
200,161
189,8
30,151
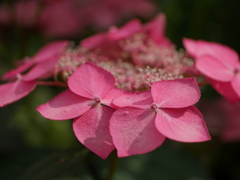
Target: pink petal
x,y
107,100
175,93
139,99
156,28
41,68
236,84
93,41
191,46
14,91
65,105
92,130
213,68
185,124
50,50
225,89
13,73
127,30
134,132
91,81
226,55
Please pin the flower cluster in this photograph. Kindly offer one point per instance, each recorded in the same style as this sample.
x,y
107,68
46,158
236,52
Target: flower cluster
x,y
129,88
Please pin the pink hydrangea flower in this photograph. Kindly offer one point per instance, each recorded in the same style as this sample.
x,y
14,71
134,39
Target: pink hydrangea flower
x,y
145,119
89,101
44,60
219,63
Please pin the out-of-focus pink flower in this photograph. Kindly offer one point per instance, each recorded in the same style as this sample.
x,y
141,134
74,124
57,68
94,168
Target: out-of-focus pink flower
x,y
44,60
222,118
67,18
89,101
26,13
23,13
219,63
104,13
61,19
146,118
231,132
5,16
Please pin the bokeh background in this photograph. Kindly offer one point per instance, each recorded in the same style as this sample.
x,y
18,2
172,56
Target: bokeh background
x,y
32,147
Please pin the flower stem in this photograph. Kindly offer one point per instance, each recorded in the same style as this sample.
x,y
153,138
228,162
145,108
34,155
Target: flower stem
x,y
113,166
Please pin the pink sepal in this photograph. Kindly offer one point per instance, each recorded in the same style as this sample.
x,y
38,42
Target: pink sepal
x,y
139,99
213,68
182,124
134,132
127,30
91,81
41,69
12,74
49,51
65,105
236,84
92,130
225,89
114,93
175,93
14,91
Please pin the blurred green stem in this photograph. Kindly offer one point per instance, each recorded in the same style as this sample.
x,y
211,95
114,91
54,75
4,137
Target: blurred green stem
x,y
113,166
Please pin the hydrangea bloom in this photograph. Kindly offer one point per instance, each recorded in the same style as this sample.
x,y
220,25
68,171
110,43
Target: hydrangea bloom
x,y
126,88
44,60
218,62
88,100
149,117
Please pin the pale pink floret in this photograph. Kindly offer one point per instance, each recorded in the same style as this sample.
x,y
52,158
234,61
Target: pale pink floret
x,y
147,118
44,61
88,100
219,63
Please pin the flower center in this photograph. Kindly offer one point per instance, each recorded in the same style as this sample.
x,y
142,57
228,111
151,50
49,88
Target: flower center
x,y
97,100
236,71
154,107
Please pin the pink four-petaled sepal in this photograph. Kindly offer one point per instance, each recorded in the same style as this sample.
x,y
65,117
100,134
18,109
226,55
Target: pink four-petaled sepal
x,y
219,63
44,60
46,54
89,101
145,119
92,130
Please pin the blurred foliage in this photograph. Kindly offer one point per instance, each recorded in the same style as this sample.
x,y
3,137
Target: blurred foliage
x,y
32,147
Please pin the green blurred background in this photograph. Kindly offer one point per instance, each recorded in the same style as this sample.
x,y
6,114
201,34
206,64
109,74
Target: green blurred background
x,y
32,147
